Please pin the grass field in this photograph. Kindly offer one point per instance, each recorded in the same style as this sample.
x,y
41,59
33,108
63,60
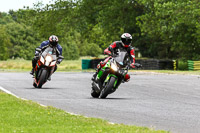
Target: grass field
x,y
71,65
22,116
26,65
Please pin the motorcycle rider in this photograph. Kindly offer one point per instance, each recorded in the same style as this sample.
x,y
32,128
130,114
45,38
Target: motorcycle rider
x,y
52,42
123,44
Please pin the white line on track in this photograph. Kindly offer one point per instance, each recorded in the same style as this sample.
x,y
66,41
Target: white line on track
x,y
7,91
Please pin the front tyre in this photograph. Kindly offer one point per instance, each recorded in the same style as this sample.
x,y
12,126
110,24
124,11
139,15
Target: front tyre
x,y
43,78
108,88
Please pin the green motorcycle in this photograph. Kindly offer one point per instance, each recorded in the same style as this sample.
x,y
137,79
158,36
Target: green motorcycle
x,y
111,75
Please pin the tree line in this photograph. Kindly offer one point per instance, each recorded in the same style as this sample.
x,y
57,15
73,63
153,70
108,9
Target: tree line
x,y
165,29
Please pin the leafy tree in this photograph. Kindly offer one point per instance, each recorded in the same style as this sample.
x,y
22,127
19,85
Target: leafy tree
x,y
54,18
104,21
160,28
5,44
70,47
23,39
171,28
5,18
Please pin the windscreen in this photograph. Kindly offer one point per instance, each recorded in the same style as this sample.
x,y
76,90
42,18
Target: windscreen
x,y
50,51
122,58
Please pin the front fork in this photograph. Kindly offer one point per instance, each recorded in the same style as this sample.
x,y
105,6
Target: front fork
x,y
52,71
108,78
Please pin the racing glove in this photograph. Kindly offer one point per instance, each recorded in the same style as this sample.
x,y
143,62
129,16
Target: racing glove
x,y
37,53
59,61
106,51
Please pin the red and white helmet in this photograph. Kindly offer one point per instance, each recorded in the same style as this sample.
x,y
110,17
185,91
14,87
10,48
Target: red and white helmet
x,y
126,38
53,40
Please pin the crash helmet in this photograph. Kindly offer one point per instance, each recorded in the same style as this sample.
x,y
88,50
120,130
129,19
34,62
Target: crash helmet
x,y
53,40
126,39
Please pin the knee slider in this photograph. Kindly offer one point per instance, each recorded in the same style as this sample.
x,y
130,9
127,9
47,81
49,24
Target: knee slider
x,y
126,77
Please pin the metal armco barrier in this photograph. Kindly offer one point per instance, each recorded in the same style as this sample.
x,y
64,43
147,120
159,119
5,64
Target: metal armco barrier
x,y
193,65
155,64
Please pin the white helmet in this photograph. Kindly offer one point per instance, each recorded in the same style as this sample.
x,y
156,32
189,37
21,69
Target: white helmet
x,y
53,40
126,38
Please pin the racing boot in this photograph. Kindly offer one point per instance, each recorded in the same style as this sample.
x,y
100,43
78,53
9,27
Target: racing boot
x,y
49,78
32,71
94,77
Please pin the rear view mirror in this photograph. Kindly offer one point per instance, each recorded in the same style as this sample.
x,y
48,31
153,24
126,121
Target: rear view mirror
x,y
60,57
38,49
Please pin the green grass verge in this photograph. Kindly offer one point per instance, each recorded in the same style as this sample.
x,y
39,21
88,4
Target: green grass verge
x,y
21,116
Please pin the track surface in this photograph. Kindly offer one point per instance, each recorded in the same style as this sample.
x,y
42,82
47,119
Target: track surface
x,y
162,101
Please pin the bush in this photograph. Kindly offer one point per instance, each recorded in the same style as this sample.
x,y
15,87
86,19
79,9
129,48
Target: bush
x,y
93,50
90,49
70,48
23,40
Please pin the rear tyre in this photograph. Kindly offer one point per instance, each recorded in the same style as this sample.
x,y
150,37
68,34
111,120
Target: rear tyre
x,y
108,88
43,78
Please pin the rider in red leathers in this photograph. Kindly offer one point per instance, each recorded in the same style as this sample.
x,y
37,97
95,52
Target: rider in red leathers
x,y
123,44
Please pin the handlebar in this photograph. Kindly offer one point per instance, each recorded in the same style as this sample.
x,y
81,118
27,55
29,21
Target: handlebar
x,y
137,65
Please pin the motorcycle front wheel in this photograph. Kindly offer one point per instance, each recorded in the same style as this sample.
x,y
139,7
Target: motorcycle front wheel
x,y
43,78
108,88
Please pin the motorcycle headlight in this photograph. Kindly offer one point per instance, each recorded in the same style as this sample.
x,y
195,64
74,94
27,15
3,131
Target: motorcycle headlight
x,y
53,63
42,59
48,60
114,67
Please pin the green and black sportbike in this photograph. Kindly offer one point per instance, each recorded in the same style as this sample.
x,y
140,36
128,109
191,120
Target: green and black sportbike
x,y
111,75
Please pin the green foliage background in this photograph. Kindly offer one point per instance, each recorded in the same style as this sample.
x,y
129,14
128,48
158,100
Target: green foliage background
x,y
160,29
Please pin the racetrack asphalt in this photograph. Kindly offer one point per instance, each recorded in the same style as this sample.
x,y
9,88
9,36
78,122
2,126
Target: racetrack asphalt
x,y
168,102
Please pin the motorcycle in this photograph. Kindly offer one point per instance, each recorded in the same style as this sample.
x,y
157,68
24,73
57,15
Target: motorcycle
x,y
111,75
45,66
